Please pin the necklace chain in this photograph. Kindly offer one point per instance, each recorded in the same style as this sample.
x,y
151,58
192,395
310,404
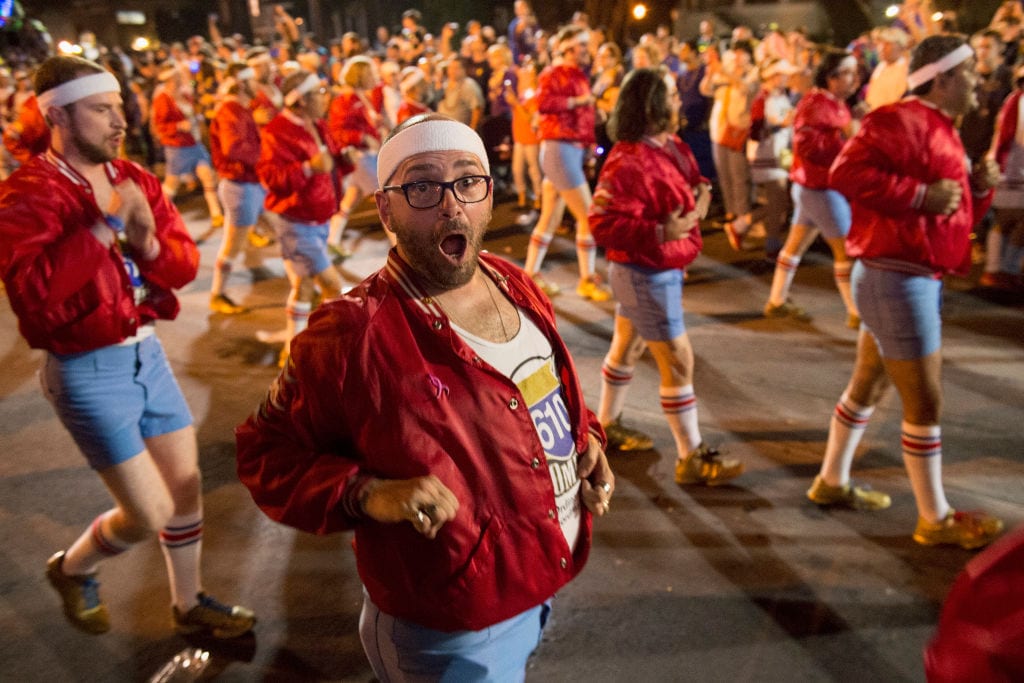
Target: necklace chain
x,y
488,285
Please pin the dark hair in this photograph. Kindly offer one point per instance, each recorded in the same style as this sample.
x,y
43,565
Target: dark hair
x,y
642,106
61,69
929,50
828,66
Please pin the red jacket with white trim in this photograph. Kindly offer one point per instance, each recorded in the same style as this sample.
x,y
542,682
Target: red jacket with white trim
x,y
293,189
71,293
884,170
558,121
640,184
234,142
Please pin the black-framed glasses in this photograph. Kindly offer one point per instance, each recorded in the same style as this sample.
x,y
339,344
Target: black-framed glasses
x,y
426,194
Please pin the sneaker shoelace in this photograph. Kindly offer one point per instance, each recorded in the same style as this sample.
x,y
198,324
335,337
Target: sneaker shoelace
x,y
90,592
212,603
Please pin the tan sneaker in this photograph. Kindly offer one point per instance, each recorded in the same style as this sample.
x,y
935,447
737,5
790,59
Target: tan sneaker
x,y
623,438
592,289
704,465
849,496
210,617
786,309
972,529
550,289
80,595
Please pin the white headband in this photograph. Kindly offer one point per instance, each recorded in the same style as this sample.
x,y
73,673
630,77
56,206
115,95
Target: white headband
x,y
78,89
949,61
261,58
312,81
245,74
436,135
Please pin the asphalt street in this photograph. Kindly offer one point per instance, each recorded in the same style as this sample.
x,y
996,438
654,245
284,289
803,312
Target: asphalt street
x,y
748,582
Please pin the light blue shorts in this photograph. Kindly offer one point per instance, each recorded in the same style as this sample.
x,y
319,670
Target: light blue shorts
x,y
242,202
184,160
651,299
400,650
303,244
365,175
562,163
902,311
114,398
826,210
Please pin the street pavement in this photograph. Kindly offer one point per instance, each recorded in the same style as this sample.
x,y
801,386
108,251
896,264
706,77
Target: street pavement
x,y
748,582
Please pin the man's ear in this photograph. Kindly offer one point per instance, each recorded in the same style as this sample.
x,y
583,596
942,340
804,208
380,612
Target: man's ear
x,y
383,208
56,116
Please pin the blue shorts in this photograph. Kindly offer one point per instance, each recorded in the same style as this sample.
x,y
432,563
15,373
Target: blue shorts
x,y
401,650
365,175
826,210
562,163
901,310
651,299
242,202
303,244
184,160
114,398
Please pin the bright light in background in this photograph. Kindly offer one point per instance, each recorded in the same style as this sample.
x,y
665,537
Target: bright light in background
x,y
892,10
639,11
140,44
68,48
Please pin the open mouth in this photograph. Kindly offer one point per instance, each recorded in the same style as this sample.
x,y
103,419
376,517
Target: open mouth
x,y
454,245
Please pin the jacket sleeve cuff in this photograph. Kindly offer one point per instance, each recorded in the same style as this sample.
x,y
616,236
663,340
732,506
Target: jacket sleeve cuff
x,y
353,498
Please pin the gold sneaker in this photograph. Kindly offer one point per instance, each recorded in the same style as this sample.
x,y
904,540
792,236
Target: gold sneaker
x,y
210,617
848,496
704,465
623,438
80,595
220,303
972,529
591,289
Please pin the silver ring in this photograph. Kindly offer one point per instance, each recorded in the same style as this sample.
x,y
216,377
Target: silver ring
x,y
606,487
420,516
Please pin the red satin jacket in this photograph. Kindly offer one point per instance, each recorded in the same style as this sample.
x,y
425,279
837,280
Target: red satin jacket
x,y
71,293
639,185
381,385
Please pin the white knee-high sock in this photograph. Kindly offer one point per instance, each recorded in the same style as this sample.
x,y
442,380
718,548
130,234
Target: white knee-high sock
x,y
679,404
221,272
782,279
96,544
539,243
841,272
182,541
849,420
615,381
586,255
922,456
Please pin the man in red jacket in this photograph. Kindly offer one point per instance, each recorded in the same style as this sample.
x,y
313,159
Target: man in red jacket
x,y
90,253
296,164
435,411
914,204
235,148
